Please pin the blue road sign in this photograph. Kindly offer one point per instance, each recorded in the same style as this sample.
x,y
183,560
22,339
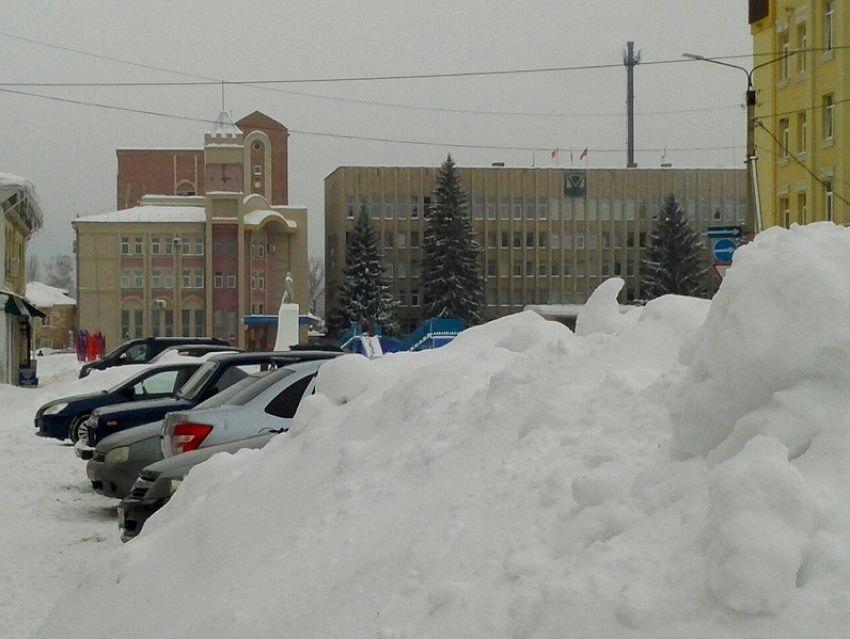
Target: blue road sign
x,y
723,250
725,231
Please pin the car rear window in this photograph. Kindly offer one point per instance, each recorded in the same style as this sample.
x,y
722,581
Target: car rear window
x,y
252,391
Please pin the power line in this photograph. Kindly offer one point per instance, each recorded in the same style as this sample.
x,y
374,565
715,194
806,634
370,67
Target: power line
x,y
346,136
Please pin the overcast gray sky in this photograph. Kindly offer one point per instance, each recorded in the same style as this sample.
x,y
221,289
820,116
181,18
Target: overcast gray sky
x,y
691,109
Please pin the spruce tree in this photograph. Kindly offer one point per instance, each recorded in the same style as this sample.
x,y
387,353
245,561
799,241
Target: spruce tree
x,y
365,296
452,285
673,260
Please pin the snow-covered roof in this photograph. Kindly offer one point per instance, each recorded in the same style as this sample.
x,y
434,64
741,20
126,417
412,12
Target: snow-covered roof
x,y
259,218
29,208
224,127
158,214
45,296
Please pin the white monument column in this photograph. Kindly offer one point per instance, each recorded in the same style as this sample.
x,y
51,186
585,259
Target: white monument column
x,y
287,317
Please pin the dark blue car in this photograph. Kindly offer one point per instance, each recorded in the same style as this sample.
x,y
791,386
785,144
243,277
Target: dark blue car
x,y
61,418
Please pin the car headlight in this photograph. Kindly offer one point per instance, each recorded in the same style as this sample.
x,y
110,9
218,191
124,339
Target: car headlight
x,y
117,455
175,484
55,408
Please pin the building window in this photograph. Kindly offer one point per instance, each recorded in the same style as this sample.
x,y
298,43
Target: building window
x,y
187,279
829,25
505,241
785,210
555,240
388,240
580,240
139,246
349,207
783,137
258,169
402,240
261,249
828,201
155,246
169,247
802,133
784,49
125,279
414,239
138,280
491,240
261,280
125,246
414,207
802,43
491,210
517,239
401,209
828,113
156,280
231,280
45,321
388,210
517,269
168,280
414,297
198,278
218,279
529,240
529,269
517,209
802,208
491,269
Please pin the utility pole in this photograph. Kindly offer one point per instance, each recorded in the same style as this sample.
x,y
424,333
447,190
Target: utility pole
x,y
631,60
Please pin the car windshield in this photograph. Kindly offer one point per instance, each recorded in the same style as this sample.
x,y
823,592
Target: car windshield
x,y
230,391
248,393
197,381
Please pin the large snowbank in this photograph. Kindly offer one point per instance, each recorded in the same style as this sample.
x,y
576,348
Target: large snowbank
x,y
527,482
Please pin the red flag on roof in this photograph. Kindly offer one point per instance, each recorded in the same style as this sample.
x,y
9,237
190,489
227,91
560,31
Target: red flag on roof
x,y
554,153
583,154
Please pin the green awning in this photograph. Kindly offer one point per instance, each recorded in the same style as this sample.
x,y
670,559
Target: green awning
x,y
16,305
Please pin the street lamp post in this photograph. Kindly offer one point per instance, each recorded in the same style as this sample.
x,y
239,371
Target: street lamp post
x,y
753,218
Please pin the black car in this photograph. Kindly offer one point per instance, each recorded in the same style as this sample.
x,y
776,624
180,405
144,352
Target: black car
x,y
61,418
157,483
214,375
143,350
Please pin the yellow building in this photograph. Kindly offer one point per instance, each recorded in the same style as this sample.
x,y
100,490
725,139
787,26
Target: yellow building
x,y
801,111
548,235
21,215
195,265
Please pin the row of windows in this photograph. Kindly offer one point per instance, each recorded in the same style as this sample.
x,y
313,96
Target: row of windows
x,y
161,279
802,42
618,209
560,269
191,278
802,206
802,136
161,323
162,245
516,297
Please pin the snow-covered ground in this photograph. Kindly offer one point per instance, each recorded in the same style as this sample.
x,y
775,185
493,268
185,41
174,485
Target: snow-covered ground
x,y
680,471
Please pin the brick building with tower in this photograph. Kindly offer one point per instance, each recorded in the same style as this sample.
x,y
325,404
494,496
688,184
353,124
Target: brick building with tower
x,y
200,243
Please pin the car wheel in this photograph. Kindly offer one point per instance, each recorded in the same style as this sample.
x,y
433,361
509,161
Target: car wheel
x,y
74,431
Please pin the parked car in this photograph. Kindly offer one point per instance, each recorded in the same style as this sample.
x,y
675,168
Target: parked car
x,y
158,482
194,350
62,418
268,405
118,459
216,374
142,351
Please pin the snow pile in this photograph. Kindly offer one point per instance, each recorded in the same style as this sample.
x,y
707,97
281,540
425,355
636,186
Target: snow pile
x,y
527,482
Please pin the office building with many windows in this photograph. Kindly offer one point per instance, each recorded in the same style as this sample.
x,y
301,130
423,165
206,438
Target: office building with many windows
x,y
802,82
548,235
